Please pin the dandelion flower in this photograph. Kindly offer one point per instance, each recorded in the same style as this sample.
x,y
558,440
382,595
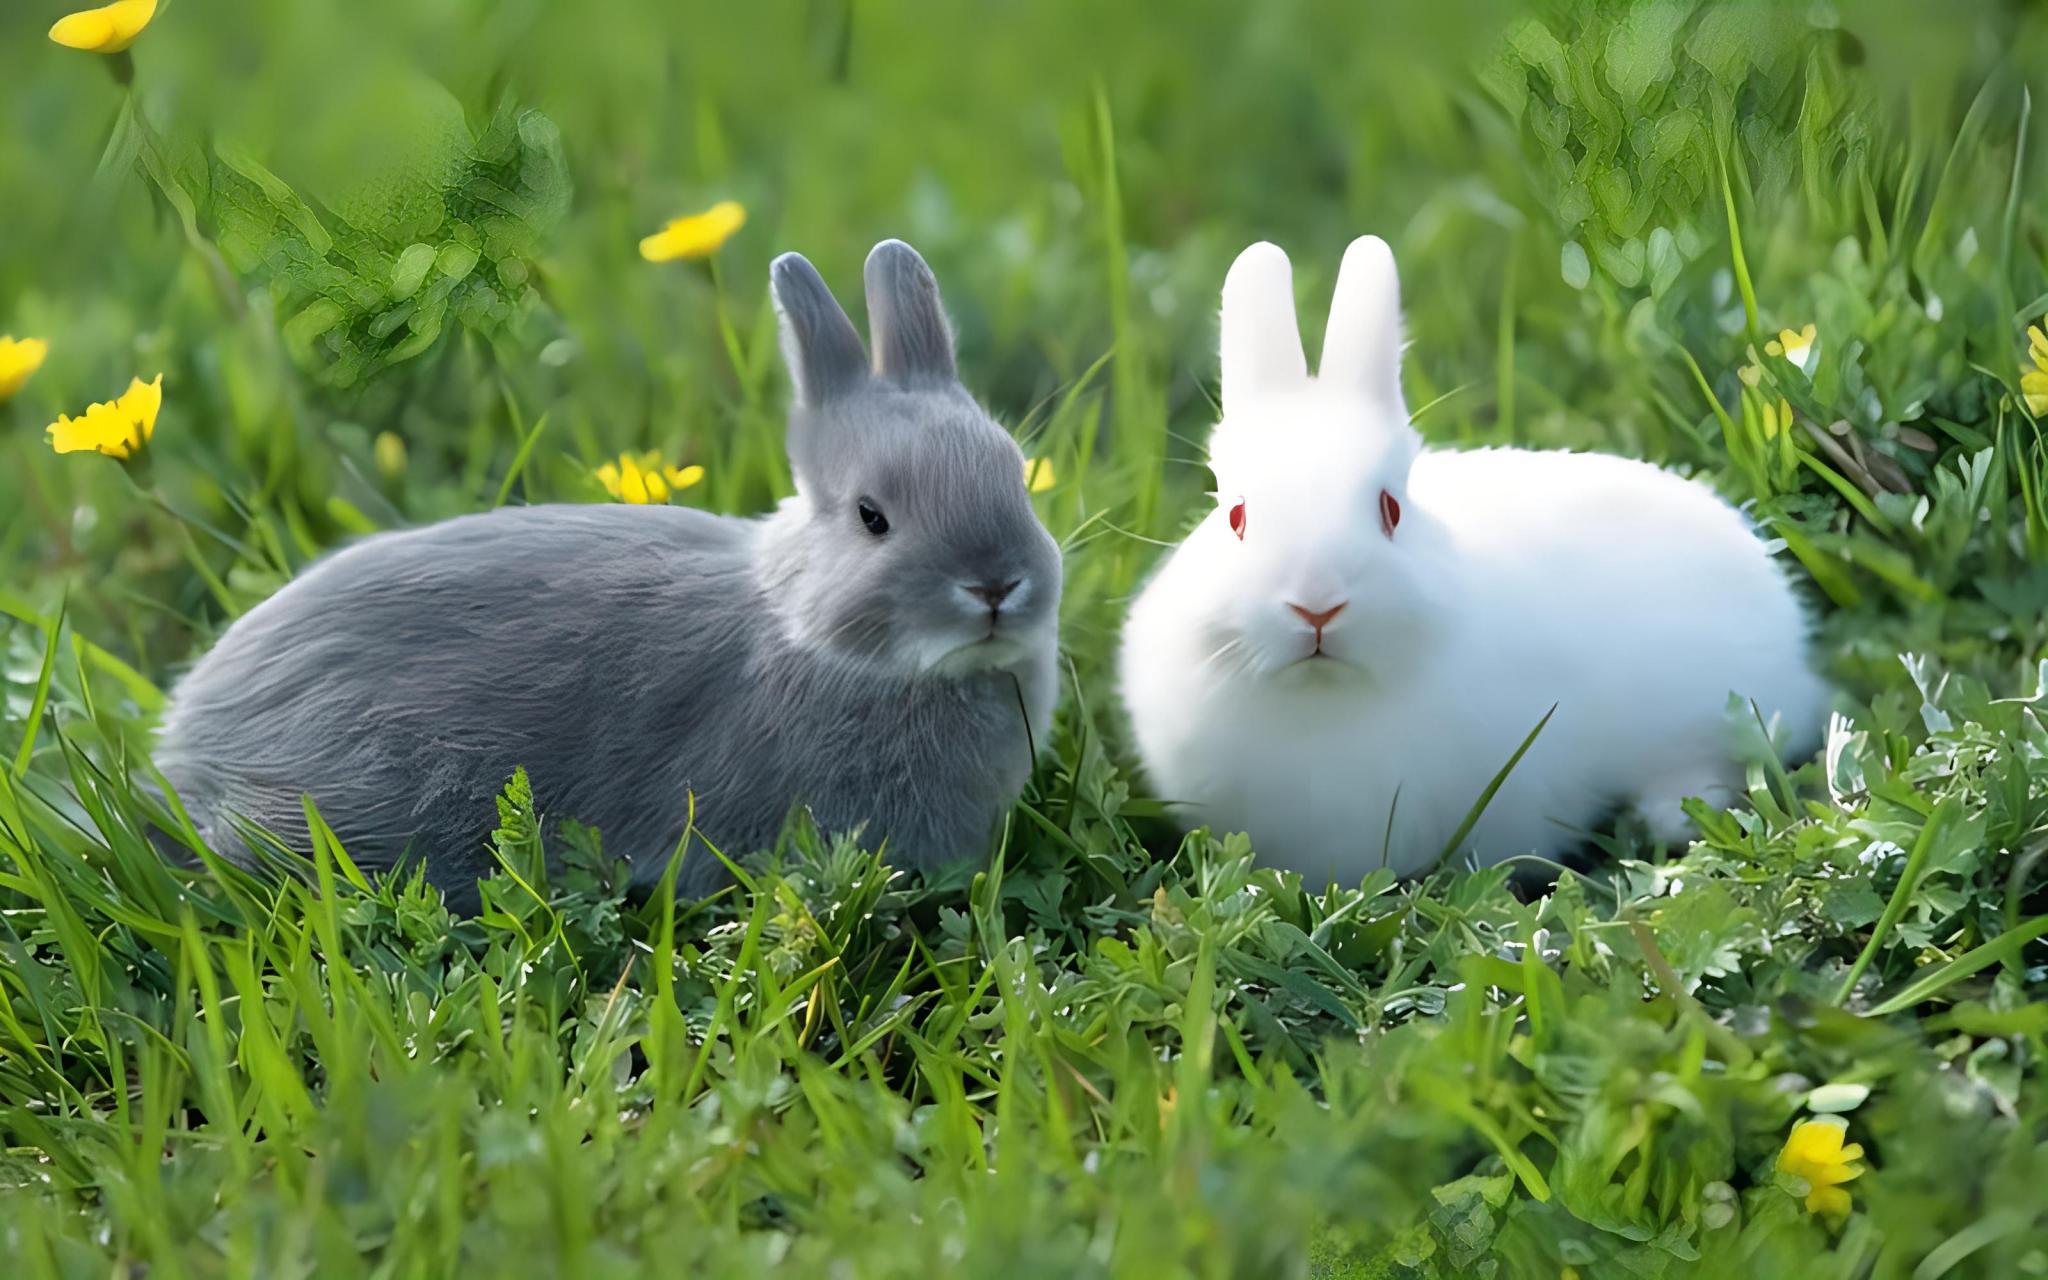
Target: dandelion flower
x,y
18,360
1797,347
1038,476
644,478
107,29
697,236
1815,1153
117,428
2033,383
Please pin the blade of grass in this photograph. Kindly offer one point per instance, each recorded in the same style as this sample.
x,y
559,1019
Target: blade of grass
x,y
2009,225
1902,894
513,472
41,699
1478,808
1953,171
1504,348
1736,258
1941,978
1824,570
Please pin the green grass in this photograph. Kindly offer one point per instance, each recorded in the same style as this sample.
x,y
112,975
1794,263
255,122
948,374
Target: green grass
x,y
1113,1051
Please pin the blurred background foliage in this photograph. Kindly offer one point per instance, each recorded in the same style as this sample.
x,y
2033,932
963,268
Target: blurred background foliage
x,y
327,222
385,254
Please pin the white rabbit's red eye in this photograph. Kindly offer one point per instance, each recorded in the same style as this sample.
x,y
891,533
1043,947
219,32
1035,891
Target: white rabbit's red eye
x,y
1390,513
1237,519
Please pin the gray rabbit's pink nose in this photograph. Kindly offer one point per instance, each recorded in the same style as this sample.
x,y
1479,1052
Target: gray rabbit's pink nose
x,y
993,594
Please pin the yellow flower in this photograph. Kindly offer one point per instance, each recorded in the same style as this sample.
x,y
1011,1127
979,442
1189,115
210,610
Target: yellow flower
x,y
2033,383
17,361
389,452
1816,1154
645,479
117,428
1751,374
1796,347
697,236
1777,418
108,29
1038,476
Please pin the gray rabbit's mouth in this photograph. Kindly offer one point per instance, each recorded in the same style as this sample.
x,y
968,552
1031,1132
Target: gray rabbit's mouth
x,y
1002,649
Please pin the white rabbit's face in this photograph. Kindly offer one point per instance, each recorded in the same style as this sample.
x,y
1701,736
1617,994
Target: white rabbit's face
x,y
1315,562
1319,561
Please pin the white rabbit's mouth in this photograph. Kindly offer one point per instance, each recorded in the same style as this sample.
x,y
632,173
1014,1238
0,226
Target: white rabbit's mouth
x,y
1266,653
1319,663
1286,661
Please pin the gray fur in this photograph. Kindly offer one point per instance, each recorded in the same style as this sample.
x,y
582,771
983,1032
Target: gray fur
x,y
823,352
629,657
913,342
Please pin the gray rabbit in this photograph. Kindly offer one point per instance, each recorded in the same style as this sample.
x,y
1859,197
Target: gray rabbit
x,y
872,648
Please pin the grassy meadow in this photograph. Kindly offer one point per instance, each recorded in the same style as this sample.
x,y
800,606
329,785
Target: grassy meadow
x,y
386,256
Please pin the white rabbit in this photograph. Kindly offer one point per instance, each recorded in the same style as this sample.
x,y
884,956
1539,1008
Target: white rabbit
x,y
1344,653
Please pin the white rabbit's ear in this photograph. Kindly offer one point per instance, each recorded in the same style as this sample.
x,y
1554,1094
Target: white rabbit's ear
x,y
1362,346
1261,341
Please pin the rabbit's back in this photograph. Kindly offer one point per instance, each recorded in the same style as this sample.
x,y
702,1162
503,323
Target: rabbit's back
x,y
625,657
400,681
1638,592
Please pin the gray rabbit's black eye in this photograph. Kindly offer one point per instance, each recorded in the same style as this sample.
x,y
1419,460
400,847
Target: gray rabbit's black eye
x,y
872,517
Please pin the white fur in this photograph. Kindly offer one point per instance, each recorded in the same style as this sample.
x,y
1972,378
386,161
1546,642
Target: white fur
x,y
1633,599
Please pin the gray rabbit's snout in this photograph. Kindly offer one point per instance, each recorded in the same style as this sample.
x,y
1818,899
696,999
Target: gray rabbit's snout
x,y
991,606
1003,597
1005,601
993,594
990,596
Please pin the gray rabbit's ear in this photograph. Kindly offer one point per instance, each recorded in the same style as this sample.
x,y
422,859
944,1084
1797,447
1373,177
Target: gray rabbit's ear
x,y
1261,347
913,342
1362,346
819,343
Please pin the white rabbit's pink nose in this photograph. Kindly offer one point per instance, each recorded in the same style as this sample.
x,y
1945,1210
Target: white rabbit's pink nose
x,y
1318,618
